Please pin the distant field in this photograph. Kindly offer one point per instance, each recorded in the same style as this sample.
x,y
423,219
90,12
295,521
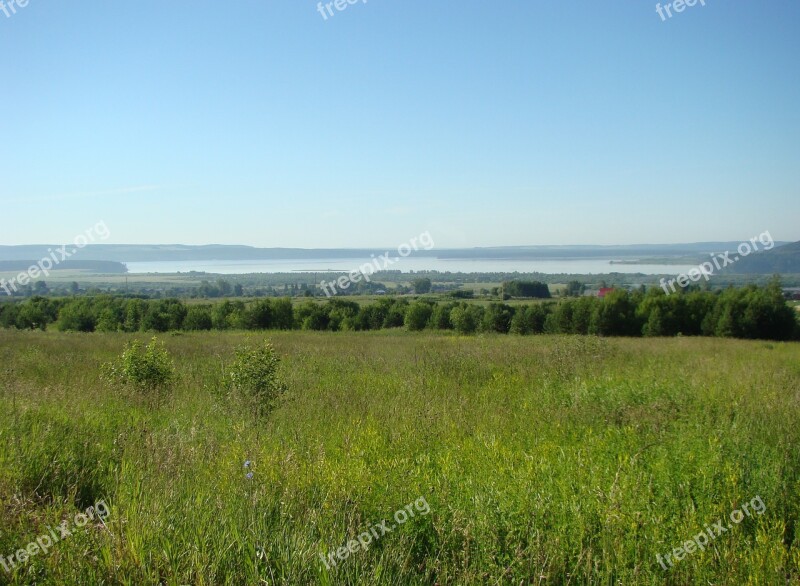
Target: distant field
x,y
90,279
187,282
543,460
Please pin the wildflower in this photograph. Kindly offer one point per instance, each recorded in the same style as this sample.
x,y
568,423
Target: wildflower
x,y
249,475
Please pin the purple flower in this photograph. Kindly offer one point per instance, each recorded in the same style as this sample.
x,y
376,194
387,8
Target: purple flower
x,y
249,475
247,463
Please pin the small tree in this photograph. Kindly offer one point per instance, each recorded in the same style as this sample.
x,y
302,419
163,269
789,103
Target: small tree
x,y
654,326
575,289
197,319
466,318
146,368
254,375
440,319
521,322
417,316
422,285
497,318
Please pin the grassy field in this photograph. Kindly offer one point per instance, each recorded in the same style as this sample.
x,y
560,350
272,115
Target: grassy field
x,y
543,460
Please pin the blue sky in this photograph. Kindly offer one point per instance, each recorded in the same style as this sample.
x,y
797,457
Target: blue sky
x,y
508,123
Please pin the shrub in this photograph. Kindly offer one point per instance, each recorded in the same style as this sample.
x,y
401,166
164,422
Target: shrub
x,y
466,318
198,319
254,375
497,318
440,319
396,317
421,286
147,368
75,316
417,316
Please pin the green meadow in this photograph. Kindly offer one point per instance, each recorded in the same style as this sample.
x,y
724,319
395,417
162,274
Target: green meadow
x,y
543,459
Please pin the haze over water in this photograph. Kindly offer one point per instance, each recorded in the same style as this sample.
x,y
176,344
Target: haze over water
x,y
553,266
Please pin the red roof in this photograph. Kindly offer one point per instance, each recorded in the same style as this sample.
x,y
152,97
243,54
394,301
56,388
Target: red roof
x,y
604,290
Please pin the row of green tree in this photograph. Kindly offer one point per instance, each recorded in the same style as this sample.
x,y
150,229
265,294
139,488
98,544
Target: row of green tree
x,y
749,312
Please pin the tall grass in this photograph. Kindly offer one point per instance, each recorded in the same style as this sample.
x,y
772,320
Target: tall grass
x,y
552,460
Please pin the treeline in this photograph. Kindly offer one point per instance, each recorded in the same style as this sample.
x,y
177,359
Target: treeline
x,y
750,312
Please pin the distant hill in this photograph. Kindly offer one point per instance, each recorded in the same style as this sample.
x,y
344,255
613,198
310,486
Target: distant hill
x,y
179,252
781,259
94,266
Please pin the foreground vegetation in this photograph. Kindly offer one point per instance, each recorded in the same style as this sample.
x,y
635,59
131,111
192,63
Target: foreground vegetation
x,y
552,460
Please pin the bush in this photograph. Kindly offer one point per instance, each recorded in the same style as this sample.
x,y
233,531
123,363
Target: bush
x,y
417,316
198,319
440,319
421,286
466,318
74,316
497,318
254,375
146,368
529,319
396,317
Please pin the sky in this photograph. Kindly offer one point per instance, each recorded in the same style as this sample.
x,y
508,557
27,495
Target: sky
x,y
521,122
